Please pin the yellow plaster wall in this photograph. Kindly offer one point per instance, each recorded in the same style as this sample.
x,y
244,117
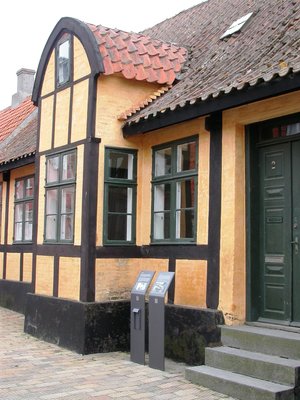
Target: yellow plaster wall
x,y
190,283
27,267
81,62
115,277
49,78
233,218
79,111
46,123
69,278
1,265
41,207
44,275
62,118
13,266
15,174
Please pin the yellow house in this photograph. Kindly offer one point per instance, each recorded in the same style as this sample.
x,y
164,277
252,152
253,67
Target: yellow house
x,y
170,150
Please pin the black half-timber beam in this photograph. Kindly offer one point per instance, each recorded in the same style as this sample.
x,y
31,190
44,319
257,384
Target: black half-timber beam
x,y
214,123
236,98
192,252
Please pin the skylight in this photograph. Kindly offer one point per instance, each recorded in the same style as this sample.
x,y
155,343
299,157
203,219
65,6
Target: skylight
x,y
236,25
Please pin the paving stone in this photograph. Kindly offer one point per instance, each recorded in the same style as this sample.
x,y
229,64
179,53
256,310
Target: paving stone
x,y
36,370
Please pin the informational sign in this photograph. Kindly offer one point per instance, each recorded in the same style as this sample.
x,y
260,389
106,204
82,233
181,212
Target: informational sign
x,y
137,318
162,283
157,320
142,283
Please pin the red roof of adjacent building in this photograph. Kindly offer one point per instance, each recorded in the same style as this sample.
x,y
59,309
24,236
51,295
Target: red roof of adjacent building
x,y
137,56
11,118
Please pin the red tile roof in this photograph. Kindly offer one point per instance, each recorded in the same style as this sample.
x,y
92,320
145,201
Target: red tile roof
x,y
11,118
137,56
267,47
21,143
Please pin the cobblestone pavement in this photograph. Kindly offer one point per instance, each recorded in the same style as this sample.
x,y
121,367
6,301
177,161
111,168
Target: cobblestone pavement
x,y
33,369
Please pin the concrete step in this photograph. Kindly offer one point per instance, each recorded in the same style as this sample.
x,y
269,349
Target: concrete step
x,y
262,340
238,386
257,365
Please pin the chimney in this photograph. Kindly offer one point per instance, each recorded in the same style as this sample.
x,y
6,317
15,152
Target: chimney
x,y
24,87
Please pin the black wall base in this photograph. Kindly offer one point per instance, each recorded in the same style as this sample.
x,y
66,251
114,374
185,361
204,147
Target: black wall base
x,y
189,331
104,327
82,327
13,295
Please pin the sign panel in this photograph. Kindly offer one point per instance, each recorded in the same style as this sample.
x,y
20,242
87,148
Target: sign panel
x,y
162,283
142,283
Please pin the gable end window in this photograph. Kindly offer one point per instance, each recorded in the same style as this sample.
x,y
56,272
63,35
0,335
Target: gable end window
x,y
174,191
120,196
60,197
23,214
63,60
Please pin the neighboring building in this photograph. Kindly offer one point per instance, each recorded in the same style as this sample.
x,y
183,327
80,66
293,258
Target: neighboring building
x,y
155,155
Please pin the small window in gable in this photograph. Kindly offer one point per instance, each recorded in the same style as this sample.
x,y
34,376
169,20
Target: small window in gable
x,y
63,64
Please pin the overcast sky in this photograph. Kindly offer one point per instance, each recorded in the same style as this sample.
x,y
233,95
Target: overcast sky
x,y
25,26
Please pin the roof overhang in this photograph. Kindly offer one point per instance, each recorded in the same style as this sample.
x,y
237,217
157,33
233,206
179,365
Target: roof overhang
x,y
236,98
17,162
84,34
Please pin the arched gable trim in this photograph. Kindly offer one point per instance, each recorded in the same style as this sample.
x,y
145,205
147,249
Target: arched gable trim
x,y
84,34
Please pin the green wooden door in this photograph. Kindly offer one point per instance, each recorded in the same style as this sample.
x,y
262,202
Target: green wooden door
x,y
279,221
296,232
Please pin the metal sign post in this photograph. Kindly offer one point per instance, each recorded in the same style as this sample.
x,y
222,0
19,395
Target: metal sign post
x,y
157,320
137,317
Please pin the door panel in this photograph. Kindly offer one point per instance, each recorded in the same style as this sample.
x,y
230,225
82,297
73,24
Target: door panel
x,y
275,232
296,231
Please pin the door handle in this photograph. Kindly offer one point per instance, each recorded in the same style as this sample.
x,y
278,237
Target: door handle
x,y
296,243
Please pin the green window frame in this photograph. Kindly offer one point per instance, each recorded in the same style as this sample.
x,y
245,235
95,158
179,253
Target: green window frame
x,y
23,209
63,57
174,192
120,182
60,192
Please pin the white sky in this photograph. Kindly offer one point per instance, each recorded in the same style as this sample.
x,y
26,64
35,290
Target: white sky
x,y
25,26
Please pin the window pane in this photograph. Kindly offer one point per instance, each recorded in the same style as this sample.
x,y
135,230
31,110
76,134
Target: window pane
x,y
162,159
66,227
64,62
120,165
51,223
52,169
29,211
162,197
185,191
29,187
117,227
67,200
28,231
18,231
184,224
51,201
162,226
19,190
68,167
18,212
186,156
120,199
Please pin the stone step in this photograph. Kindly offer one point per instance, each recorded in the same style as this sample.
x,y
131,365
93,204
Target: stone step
x,y
238,386
262,340
257,365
